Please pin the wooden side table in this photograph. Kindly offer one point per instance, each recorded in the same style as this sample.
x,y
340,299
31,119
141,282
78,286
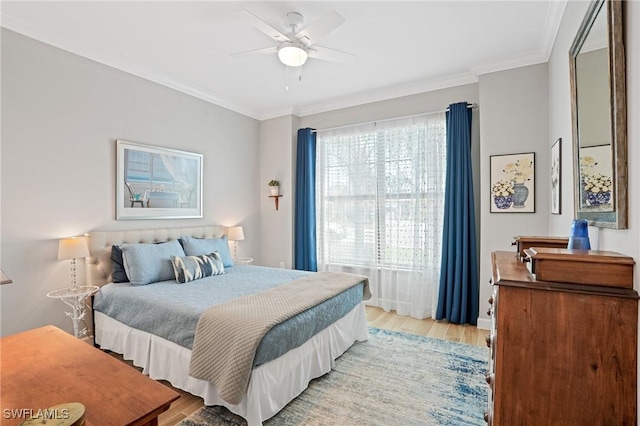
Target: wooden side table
x,y
46,367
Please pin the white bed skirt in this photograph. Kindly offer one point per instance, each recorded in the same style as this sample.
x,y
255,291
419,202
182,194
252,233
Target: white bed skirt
x,y
272,385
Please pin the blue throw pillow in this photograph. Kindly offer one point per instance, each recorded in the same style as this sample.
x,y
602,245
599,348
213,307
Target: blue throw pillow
x,y
150,263
191,268
118,274
199,246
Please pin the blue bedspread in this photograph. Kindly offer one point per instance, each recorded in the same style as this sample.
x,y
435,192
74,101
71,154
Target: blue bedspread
x,y
171,310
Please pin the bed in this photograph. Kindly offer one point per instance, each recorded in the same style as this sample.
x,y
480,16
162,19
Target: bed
x,y
284,363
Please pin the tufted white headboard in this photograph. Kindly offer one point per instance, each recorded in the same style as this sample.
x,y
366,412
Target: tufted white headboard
x,y
98,264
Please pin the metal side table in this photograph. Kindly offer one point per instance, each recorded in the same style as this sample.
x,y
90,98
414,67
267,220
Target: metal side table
x,y
75,298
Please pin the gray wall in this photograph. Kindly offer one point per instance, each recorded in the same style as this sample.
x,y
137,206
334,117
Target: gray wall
x,y
61,115
276,159
513,120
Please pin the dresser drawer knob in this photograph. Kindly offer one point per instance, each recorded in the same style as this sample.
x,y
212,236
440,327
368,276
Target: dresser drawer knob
x,y
488,340
489,312
490,300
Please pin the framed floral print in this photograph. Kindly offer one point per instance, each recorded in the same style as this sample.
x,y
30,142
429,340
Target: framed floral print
x,y
556,177
512,178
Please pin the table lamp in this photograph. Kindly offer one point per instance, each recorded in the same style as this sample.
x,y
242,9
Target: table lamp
x,y
235,234
73,248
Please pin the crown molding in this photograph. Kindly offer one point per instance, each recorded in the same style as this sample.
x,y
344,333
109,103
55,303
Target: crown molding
x,y
516,61
385,94
73,46
552,22
275,113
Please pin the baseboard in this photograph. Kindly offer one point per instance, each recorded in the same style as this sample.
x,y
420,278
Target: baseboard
x,y
484,323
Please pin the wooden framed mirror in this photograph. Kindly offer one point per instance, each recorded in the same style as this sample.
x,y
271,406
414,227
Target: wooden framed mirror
x,y
599,116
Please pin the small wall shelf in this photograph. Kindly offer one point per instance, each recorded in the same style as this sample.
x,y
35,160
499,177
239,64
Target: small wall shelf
x,y
276,198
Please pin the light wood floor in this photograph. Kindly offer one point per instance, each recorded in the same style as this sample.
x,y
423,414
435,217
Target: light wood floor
x,y
376,317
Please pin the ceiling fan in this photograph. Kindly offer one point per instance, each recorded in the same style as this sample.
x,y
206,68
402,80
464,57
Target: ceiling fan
x,y
295,47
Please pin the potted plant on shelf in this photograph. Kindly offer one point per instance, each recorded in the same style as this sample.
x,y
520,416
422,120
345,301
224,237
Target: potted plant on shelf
x,y
274,185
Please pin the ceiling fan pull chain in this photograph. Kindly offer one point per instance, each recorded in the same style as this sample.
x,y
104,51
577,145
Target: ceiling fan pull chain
x,y
300,75
286,78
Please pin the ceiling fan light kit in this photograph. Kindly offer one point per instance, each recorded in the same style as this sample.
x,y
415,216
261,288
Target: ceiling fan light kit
x,y
295,47
292,56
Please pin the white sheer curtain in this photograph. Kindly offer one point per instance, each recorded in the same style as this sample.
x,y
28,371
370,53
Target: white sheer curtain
x,y
380,204
182,170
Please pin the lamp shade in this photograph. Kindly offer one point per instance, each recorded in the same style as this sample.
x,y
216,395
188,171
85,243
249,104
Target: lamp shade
x,y
292,56
72,248
235,233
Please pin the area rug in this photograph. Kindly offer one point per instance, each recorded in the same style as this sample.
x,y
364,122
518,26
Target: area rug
x,y
391,379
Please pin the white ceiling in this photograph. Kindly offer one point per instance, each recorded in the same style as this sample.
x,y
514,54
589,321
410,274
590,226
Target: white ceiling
x,y
401,47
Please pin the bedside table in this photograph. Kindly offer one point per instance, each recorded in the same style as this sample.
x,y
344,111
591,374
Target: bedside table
x,y
75,298
244,260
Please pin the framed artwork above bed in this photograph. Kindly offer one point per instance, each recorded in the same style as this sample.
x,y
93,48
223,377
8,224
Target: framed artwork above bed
x,y
157,183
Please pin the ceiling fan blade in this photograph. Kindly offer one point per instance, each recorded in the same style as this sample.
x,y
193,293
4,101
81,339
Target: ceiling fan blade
x,y
326,54
263,26
320,28
263,51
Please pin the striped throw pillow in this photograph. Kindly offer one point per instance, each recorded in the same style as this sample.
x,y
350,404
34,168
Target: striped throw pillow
x,y
189,268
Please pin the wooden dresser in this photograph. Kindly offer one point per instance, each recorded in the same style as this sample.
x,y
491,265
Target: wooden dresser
x,y
561,353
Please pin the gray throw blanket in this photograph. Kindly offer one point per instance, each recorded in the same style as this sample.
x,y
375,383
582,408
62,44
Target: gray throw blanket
x,y
228,334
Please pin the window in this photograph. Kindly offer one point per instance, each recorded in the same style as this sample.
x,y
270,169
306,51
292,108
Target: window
x,y
380,190
148,171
